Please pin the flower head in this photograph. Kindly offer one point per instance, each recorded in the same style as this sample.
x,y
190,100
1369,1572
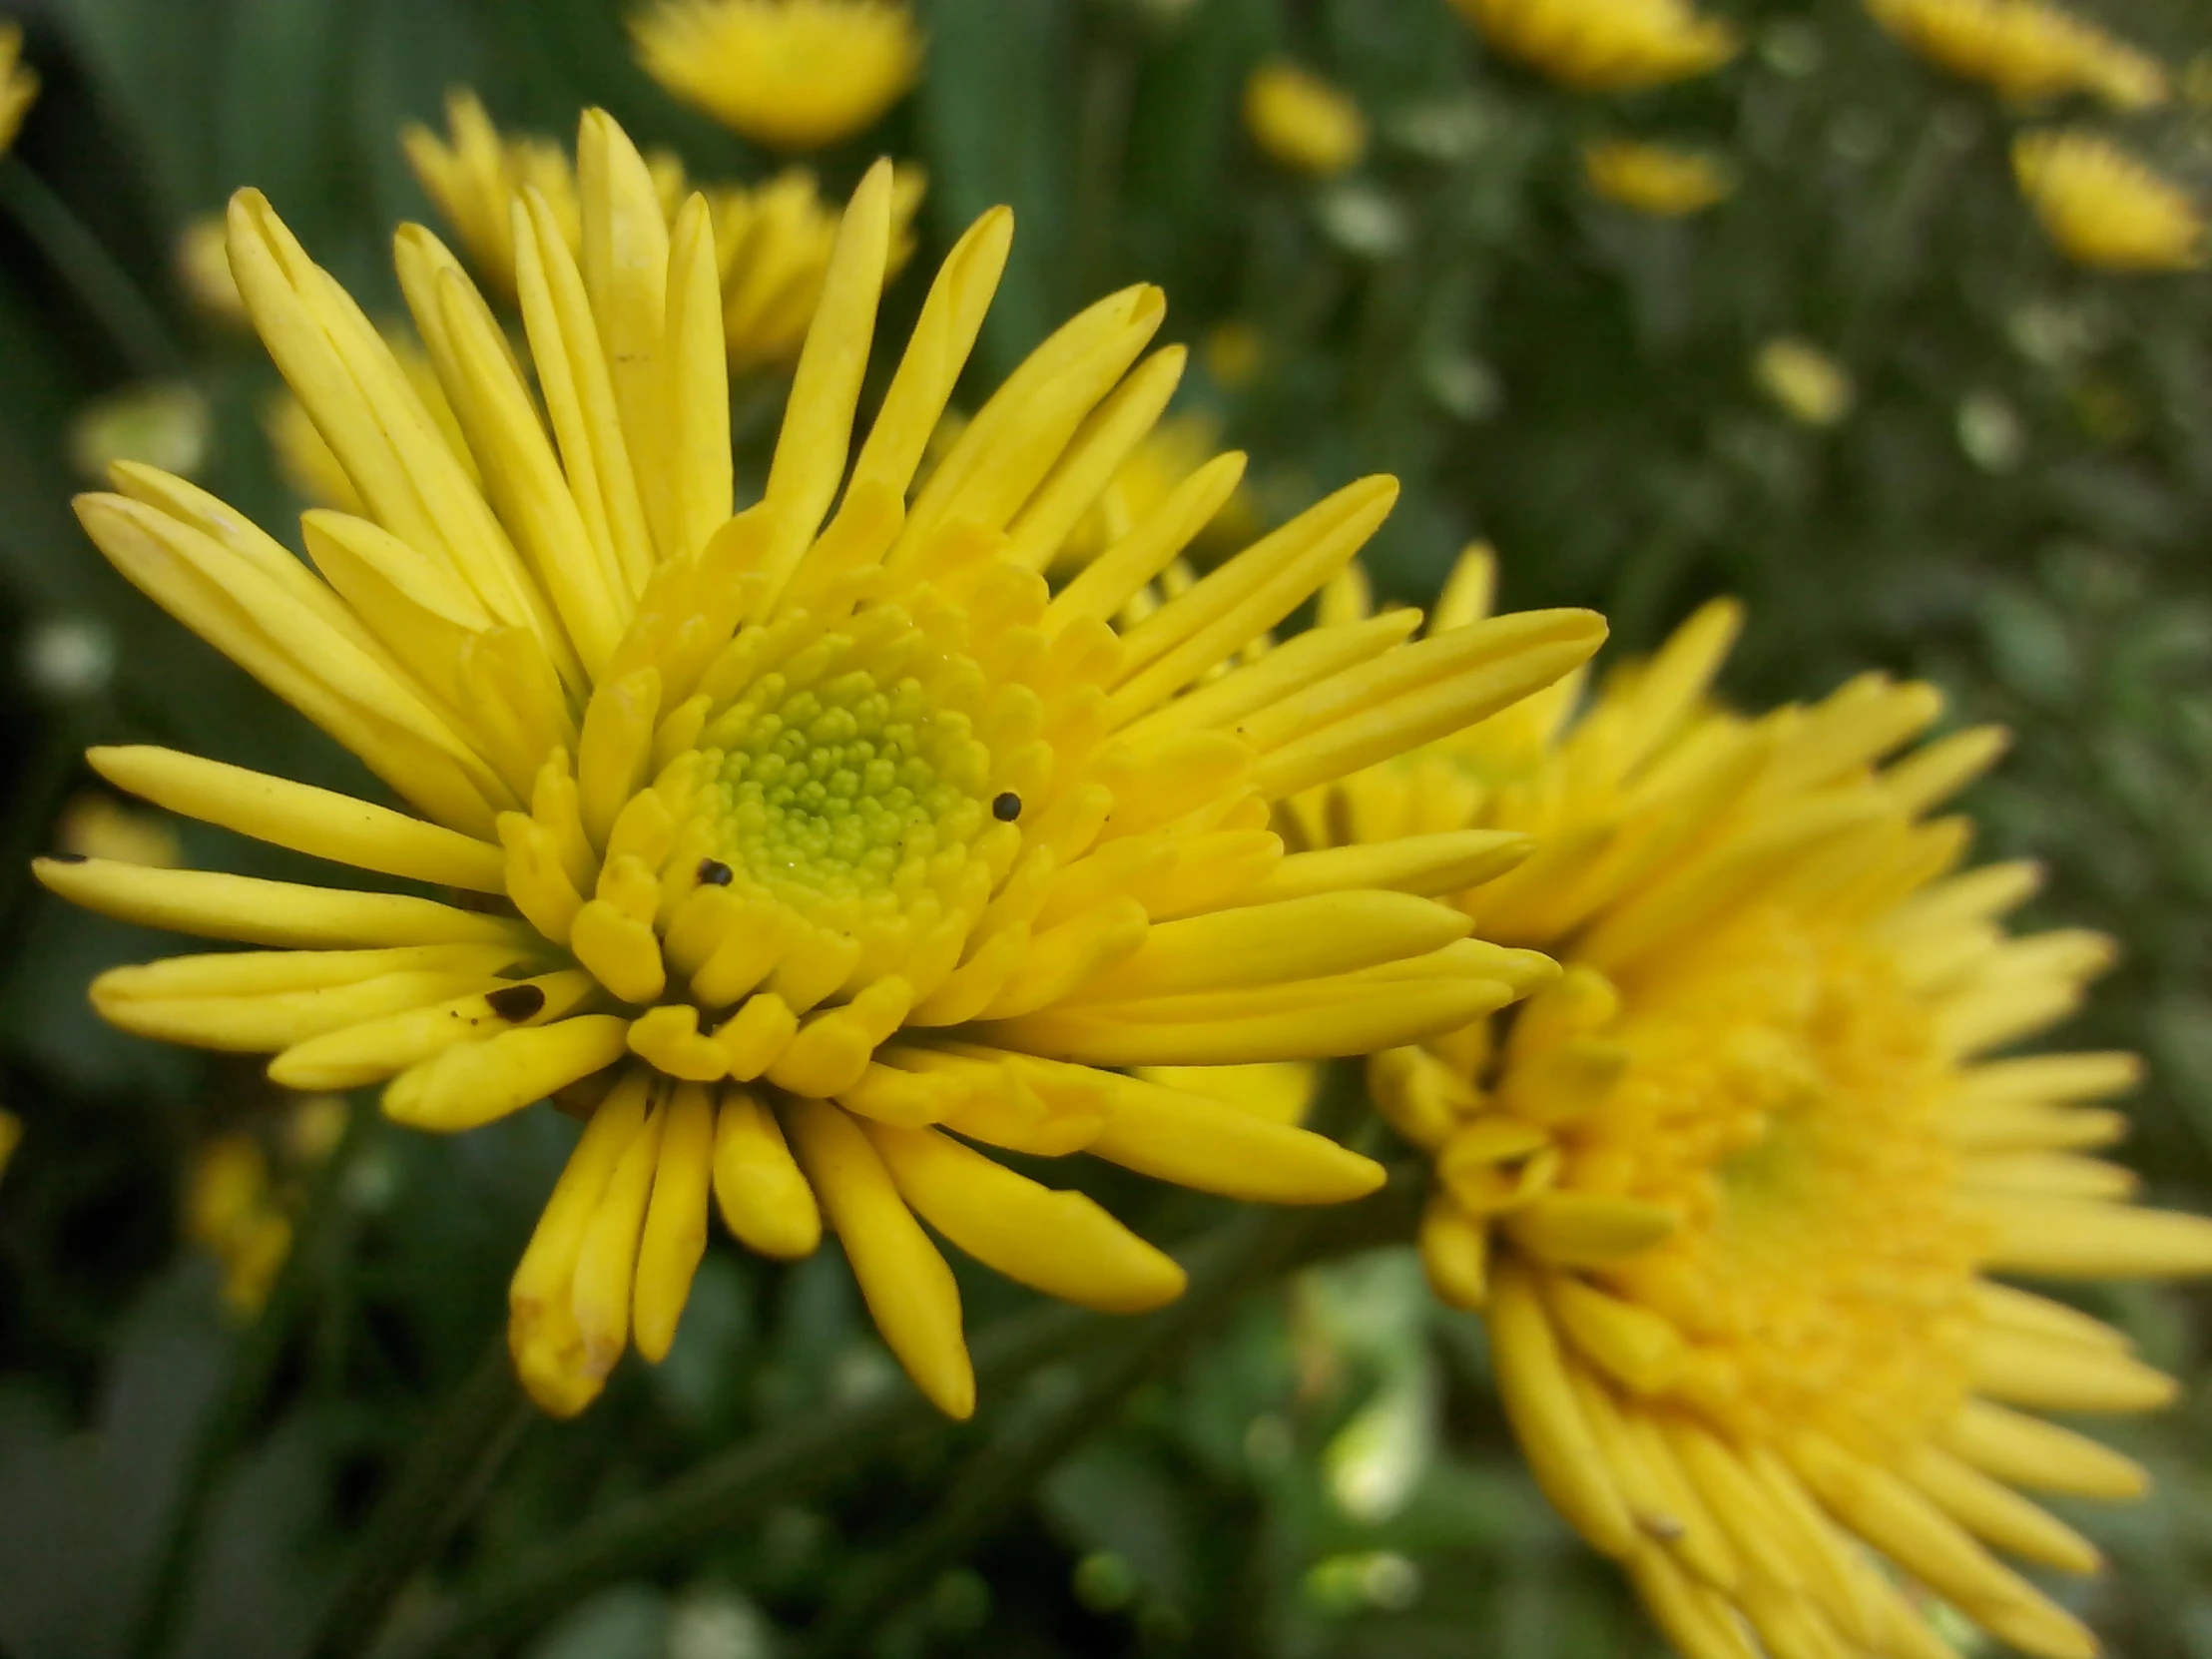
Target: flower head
x,y
806,846
1604,45
1731,1188
771,241
2027,50
1303,122
790,74
1808,386
18,84
2103,208
1658,179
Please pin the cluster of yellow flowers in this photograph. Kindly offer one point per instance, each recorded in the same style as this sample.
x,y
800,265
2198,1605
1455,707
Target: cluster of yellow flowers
x,y
934,803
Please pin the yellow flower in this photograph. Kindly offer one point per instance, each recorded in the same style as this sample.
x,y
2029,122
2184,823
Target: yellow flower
x,y
790,74
1731,1188
233,1212
2027,49
204,271
1604,45
97,825
771,241
1657,179
305,462
11,1137
18,84
2103,208
794,838
1811,386
1303,122
164,423
1160,463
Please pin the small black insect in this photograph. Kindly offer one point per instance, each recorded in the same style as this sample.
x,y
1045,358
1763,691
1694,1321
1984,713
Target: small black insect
x,y
713,873
516,1003
1006,807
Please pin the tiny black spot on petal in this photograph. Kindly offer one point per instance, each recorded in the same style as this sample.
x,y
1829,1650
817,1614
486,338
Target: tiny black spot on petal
x,y
1006,807
713,873
64,857
516,1003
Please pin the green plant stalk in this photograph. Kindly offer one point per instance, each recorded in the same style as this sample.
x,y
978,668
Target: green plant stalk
x,y
441,1481
93,276
790,1462
999,1477
252,1367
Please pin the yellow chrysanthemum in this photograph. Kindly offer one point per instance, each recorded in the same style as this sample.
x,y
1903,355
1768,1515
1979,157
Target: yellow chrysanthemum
x,y
1303,122
1808,386
1658,179
1730,1188
2027,49
790,74
204,269
1604,45
841,827
2103,208
231,1212
771,241
18,84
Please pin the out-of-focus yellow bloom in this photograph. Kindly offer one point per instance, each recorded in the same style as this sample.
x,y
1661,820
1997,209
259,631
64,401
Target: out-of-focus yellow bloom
x,y
790,74
771,241
18,84
1604,45
11,1137
1233,354
1733,1190
304,460
2027,49
1159,465
204,271
1658,179
2103,208
97,825
232,1210
164,423
805,848
1303,122
1809,384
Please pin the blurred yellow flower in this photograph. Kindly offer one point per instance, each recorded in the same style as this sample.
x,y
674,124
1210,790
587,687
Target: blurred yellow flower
x,y
232,1212
204,271
790,74
1233,354
1303,122
1604,45
1730,1189
771,241
11,1137
2103,208
1658,179
18,84
2027,49
97,825
1809,384
805,848
1160,464
305,462
164,423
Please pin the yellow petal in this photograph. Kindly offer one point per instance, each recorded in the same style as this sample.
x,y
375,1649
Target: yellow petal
x,y
1060,1243
256,912
2022,1451
1431,866
1291,938
765,1200
1995,1513
1541,1404
370,1050
1587,1230
470,1084
1197,1141
606,1262
1632,1345
2076,1239
2057,1375
906,1284
676,1222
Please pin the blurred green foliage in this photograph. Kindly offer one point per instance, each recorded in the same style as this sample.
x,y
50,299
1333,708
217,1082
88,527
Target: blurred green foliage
x,y
2018,507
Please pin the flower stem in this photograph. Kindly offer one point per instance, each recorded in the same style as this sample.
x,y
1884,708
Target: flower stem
x,y
440,1484
133,326
254,1365
1000,1476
